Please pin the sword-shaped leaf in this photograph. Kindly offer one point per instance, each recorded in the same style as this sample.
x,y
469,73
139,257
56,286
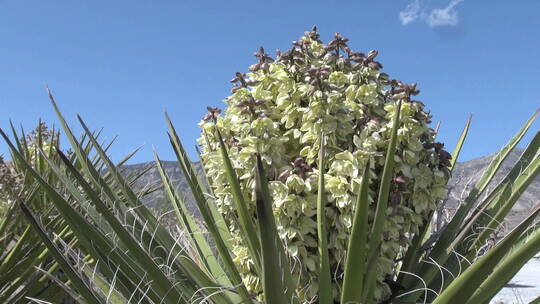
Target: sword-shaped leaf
x,y
355,265
376,232
278,286
325,280
246,225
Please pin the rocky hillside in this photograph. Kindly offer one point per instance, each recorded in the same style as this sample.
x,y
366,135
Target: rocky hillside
x,y
152,178
464,177
466,174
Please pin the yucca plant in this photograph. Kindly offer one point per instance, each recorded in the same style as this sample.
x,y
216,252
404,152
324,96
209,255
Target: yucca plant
x,y
111,248
22,255
27,270
284,109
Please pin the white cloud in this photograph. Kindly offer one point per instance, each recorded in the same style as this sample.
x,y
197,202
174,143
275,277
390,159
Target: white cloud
x,y
410,13
444,16
447,16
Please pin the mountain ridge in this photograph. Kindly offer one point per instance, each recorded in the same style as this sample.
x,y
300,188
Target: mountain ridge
x,y
464,176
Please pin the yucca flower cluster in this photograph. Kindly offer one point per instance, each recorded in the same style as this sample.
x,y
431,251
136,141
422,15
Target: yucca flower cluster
x,y
10,182
282,109
7,181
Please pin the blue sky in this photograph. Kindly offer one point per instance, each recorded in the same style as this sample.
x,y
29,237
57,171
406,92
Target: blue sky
x,y
121,64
